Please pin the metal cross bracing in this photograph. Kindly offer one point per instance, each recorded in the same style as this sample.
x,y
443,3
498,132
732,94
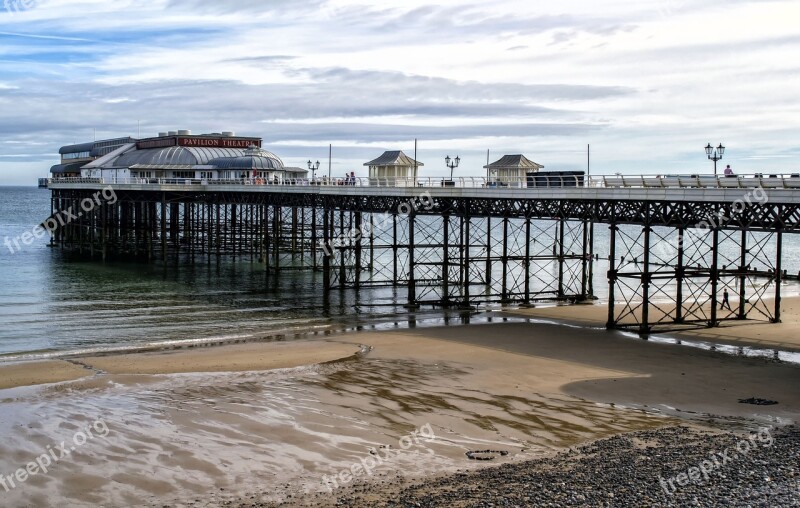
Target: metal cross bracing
x,y
670,262
456,260
663,278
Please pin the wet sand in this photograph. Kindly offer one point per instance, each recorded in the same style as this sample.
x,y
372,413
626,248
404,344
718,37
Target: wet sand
x,y
212,437
639,469
235,431
680,381
227,358
784,335
37,373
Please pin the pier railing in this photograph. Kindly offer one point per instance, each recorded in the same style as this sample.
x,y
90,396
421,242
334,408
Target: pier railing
x,y
541,180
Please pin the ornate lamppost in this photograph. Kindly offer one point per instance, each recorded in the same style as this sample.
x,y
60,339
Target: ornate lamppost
x,y
452,164
715,154
313,166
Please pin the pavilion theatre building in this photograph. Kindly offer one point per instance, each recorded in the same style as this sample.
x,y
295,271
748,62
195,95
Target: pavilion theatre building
x,y
175,155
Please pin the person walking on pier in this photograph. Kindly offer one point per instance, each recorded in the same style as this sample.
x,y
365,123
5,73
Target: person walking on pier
x,y
725,301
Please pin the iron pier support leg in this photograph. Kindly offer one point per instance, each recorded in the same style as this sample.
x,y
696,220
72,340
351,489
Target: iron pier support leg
x,y
326,249
371,242
465,258
346,234
561,227
778,277
743,278
264,235
277,211
104,213
488,252
358,239
163,226
612,276
234,231
294,231
314,237
446,261
644,329
714,276
218,232
680,274
52,214
527,260
395,249
412,283
586,259
504,289
590,276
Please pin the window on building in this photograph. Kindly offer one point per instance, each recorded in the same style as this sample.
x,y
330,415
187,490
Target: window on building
x,y
77,155
206,175
184,174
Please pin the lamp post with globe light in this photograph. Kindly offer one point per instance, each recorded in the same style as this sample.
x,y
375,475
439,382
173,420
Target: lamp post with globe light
x,y
452,164
715,154
313,166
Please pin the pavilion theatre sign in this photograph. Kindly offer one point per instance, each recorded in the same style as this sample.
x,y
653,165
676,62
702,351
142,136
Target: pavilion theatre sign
x,y
218,142
198,142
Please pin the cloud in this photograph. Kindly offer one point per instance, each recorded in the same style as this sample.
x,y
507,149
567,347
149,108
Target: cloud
x,y
251,6
518,76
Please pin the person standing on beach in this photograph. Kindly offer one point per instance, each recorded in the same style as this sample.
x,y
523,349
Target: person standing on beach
x,y
725,301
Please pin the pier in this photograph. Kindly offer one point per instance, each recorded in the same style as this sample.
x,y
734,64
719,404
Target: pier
x,y
676,243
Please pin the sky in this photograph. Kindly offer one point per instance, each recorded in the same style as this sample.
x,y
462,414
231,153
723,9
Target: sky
x,y
646,84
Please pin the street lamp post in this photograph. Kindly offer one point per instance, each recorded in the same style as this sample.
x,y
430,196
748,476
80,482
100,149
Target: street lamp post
x,y
452,164
313,166
715,154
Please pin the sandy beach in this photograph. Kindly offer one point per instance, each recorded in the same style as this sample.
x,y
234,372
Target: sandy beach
x,y
273,422
38,373
756,333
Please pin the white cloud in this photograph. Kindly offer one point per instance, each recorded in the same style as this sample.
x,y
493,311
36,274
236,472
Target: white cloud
x,y
647,84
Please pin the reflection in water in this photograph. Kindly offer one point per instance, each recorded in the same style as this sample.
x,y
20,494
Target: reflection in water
x,y
51,305
257,432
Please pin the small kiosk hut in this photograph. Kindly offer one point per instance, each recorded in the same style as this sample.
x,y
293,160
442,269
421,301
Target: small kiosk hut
x,y
393,168
511,170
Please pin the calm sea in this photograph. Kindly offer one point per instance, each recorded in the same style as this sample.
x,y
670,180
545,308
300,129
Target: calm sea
x,y
51,306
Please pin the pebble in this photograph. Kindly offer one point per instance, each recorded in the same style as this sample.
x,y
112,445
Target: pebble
x,y
620,471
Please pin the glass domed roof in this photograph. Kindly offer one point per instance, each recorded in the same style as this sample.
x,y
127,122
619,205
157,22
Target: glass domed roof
x,y
253,158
